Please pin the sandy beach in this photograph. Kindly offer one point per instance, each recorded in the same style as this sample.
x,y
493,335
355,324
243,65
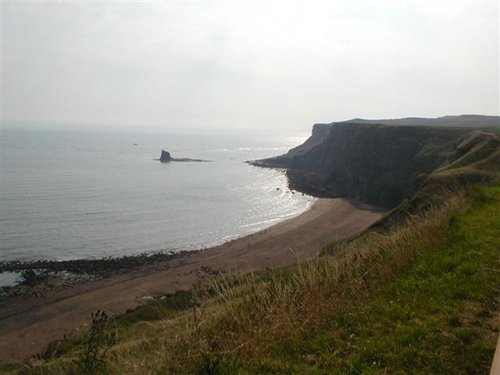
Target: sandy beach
x,y
27,326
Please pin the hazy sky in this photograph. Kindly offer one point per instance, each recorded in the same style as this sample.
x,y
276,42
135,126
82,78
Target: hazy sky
x,y
189,65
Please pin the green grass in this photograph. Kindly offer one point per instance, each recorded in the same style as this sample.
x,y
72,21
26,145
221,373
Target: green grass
x,y
435,318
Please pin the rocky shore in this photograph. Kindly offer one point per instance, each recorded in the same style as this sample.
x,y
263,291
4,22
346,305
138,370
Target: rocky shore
x,y
95,266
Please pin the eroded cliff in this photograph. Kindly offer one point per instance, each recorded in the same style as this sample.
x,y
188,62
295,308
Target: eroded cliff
x,y
383,164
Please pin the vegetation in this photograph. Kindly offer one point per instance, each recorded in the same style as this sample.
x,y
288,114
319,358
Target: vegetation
x,y
96,344
420,297
416,293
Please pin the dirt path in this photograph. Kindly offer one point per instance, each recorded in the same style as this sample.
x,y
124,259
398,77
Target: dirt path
x,y
26,327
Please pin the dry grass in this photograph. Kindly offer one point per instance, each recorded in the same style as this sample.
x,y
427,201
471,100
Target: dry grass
x,y
245,318
251,315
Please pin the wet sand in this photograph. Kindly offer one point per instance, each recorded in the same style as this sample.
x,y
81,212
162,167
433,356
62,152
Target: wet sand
x,y
27,326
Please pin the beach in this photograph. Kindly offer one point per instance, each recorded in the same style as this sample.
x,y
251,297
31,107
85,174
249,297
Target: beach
x,y
28,324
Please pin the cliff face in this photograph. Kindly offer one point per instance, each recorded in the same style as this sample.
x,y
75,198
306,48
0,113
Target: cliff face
x,y
165,156
379,164
319,133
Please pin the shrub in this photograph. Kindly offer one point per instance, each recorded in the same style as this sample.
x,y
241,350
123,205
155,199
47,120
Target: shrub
x,y
96,344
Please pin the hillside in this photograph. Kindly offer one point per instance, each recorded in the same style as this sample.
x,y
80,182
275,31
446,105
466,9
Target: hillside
x,y
420,296
383,164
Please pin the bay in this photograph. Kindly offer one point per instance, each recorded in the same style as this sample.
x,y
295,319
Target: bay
x,y
68,195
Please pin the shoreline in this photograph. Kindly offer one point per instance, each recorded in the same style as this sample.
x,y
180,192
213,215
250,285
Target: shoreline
x,y
28,324
112,265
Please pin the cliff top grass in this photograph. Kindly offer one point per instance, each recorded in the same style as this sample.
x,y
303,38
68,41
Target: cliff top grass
x,y
419,298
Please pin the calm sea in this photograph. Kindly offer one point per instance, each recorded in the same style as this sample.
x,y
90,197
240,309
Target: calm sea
x,y
67,195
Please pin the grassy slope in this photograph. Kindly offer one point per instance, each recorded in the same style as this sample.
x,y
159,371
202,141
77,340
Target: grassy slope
x,y
418,299
438,317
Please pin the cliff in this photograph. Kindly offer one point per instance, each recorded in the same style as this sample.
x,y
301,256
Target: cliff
x,y
384,164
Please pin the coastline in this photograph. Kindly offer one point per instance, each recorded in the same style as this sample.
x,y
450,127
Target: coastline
x,y
113,265
27,325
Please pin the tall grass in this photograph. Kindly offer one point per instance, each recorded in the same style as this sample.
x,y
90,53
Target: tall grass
x,y
245,318
253,315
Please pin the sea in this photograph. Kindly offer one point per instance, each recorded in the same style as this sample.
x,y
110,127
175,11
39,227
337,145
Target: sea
x,y
69,194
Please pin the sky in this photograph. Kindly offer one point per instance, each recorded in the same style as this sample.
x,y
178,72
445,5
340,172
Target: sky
x,y
190,66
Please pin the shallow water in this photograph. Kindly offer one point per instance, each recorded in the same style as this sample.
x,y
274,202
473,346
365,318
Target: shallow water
x,y
10,278
69,195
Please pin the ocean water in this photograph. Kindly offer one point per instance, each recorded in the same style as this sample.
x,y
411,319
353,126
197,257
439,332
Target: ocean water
x,y
67,195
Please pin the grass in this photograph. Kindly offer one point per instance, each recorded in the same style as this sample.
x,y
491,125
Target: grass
x,y
440,316
418,298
